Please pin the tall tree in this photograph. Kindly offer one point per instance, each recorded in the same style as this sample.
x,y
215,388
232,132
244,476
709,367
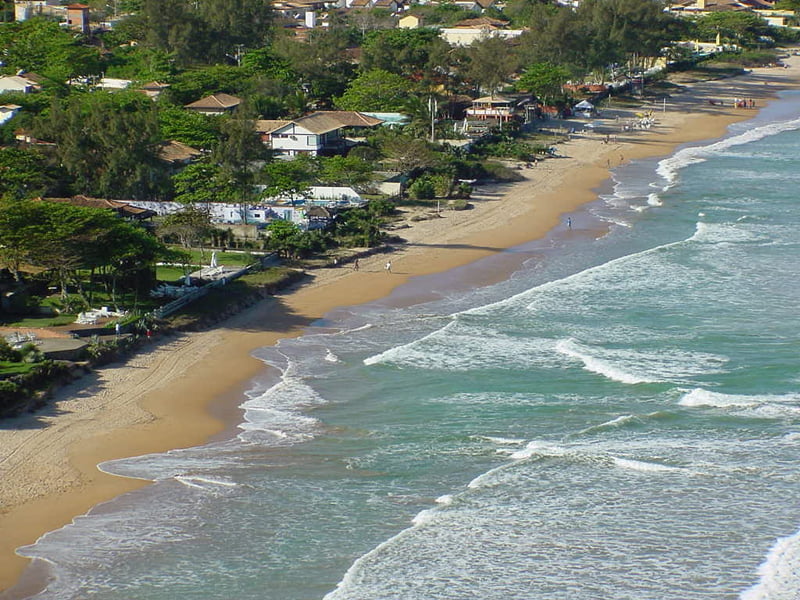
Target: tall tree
x,y
616,29
401,51
491,63
25,174
346,170
62,238
107,143
544,80
323,65
202,183
175,27
290,178
207,30
190,226
376,90
238,148
42,46
233,25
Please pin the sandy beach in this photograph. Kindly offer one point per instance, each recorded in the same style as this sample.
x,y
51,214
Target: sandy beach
x,y
187,389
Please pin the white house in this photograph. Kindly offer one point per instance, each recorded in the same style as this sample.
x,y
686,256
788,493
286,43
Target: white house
x,y
319,132
468,31
8,112
26,9
267,209
18,83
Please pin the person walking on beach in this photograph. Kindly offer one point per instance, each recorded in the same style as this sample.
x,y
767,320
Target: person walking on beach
x,y
355,265
569,222
388,266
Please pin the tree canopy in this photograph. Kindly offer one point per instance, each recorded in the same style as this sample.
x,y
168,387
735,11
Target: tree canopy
x,y
544,80
43,47
62,238
107,143
376,90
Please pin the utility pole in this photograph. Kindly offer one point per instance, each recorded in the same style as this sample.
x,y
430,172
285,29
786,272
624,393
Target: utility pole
x,y
433,106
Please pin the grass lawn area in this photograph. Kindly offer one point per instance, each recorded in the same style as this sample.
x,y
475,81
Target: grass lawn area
x,y
228,258
33,322
14,368
169,273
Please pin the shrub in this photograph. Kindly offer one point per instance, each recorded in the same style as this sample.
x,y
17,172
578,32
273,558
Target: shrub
x,y
442,185
422,189
8,353
29,353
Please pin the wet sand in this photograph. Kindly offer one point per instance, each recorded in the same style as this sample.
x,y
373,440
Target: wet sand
x,y
187,389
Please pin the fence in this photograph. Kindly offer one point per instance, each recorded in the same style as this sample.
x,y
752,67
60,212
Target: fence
x,y
178,303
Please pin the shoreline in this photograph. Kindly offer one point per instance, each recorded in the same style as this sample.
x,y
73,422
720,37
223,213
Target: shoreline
x,y
49,464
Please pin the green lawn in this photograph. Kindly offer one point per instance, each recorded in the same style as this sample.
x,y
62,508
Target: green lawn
x,y
32,322
170,274
14,368
233,259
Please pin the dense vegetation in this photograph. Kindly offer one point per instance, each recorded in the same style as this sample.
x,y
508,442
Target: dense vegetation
x,y
60,259
108,144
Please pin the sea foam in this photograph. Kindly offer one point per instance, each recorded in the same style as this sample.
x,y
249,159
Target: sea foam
x,y
779,574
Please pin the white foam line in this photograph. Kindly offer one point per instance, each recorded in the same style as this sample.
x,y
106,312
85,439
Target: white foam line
x,y
388,354
644,466
202,483
350,575
617,422
779,574
669,167
591,363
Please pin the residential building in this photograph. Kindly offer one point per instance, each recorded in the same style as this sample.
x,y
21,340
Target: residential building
x,y
8,112
409,22
304,210
154,89
177,154
25,9
78,17
125,210
215,104
26,83
113,84
703,7
317,133
491,107
468,31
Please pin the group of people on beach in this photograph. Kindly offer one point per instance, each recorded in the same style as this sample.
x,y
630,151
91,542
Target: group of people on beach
x,y
737,103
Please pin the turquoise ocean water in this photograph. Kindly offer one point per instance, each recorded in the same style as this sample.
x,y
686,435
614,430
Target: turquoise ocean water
x,y
619,419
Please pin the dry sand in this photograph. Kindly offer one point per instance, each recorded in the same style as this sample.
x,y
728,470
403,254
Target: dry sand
x,y
187,389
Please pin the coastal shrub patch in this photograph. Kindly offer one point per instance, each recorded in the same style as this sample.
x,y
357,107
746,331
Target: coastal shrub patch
x,y
464,190
11,395
499,172
7,353
381,207
19,388
422,189
747,58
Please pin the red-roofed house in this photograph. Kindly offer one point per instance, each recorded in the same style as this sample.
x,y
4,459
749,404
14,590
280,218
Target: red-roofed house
x,y
122,209
78,17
